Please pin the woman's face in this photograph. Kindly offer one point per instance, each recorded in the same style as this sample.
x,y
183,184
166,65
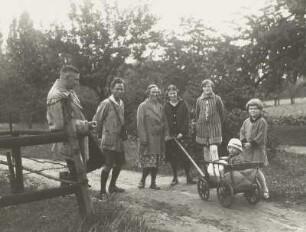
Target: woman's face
x,y
154,93
207,88
172,95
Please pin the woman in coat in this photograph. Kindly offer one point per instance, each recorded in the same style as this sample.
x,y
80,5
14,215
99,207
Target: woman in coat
x,y
150,128
177,116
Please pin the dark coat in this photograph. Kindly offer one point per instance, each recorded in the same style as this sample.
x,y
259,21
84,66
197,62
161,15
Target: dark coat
x,y
177,118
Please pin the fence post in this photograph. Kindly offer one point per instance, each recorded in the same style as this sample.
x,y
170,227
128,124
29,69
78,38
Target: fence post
x,y
16,152
12,175
82,192
18,180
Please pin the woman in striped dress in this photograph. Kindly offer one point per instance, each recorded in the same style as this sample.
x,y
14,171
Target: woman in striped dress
x,y
209,117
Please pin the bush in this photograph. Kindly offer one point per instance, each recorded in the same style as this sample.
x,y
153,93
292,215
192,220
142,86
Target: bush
x,y
289,120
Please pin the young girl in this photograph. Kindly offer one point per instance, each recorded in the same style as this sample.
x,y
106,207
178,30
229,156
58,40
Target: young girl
x,y
243,177
253,135
177,116
209,117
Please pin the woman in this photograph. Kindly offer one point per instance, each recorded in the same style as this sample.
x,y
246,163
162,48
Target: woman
x,y
150,128
177,116
209,117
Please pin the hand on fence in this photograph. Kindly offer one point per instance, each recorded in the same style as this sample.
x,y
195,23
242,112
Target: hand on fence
x,y
167,138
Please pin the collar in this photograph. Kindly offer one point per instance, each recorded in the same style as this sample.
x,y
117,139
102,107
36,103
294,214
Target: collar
x,y
113,100
205,95
256,119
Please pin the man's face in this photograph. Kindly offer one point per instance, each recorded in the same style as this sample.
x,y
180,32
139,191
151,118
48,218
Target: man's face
x,y
118,90
73,80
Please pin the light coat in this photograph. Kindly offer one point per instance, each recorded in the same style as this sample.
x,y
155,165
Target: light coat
x,y
151,128
255,132
108,124
56,120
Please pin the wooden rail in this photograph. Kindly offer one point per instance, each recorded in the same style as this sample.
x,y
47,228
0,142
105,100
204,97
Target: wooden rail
x,y
37,195
22,138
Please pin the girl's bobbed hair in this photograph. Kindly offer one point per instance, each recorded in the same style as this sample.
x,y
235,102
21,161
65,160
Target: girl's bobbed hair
x,y
171,88
254,102
151,87
207,82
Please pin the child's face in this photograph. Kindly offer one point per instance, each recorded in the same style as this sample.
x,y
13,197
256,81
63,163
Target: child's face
x,y
254,112
233,151
172,95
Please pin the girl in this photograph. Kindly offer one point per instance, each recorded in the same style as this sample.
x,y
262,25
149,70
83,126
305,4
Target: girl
x,y
209,117
253,135
177,116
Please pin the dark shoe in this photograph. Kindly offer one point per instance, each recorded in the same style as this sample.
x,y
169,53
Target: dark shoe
x,y
190,181
174,182
141,184
154,186
115,189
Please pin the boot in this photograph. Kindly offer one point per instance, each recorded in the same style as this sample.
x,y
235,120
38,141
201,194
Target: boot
x,y
112,186
174,171
104,176
189,179
142,182
153,179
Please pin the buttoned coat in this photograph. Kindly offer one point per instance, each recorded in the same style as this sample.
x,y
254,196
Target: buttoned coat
x,y
255,132
109,125
151,128
56,119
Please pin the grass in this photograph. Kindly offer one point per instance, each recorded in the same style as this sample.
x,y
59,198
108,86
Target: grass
x,y
291,135
286,177
297,109
61,215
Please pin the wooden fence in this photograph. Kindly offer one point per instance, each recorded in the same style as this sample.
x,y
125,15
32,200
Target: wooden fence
x,y
14,140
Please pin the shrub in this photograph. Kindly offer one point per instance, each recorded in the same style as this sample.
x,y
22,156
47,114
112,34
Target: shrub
x,y
289,120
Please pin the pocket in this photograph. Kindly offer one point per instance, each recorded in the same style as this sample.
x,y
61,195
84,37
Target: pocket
x,y
108,138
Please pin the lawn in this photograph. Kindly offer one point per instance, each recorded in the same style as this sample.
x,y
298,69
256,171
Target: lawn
x,y
291,135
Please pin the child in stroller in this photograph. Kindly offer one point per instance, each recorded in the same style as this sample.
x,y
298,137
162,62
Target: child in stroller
x,y
231,175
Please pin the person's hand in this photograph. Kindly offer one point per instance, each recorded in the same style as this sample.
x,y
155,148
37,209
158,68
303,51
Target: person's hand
x,y
92,124
179,136
247,145
167,138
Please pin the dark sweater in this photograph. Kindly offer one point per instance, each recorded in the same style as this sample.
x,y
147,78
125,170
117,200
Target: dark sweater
x,y
177,118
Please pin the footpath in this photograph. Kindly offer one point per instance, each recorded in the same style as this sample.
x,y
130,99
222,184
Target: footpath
x,y
179,208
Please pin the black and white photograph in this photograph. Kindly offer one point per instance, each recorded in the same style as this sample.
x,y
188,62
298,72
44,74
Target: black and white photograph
x,y
152,115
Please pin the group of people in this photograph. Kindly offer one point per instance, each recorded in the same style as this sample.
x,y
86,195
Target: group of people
x,y
159,128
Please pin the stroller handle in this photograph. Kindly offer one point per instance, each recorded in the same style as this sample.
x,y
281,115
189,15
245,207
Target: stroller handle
x,y
189,157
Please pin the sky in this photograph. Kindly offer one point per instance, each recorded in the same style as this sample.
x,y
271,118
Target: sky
x,y
216,13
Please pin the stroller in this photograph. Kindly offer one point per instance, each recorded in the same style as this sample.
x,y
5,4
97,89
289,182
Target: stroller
x,y
226,187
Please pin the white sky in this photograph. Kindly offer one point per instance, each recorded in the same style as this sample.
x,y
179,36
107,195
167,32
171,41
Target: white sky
x,y
216,13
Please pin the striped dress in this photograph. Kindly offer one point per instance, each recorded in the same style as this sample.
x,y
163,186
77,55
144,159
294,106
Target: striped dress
x,y
209,117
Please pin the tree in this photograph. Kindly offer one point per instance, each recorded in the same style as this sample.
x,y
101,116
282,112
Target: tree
x,y
101,40
277,45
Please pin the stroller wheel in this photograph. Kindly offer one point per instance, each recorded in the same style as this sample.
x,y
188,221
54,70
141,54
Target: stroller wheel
x,y
225,194
203,189
253,196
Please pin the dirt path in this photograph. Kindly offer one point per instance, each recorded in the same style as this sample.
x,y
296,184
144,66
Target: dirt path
x,y
180,208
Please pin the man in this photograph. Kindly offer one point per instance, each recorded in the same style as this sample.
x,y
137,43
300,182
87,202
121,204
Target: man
x,y
63,89
110,123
